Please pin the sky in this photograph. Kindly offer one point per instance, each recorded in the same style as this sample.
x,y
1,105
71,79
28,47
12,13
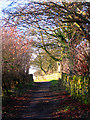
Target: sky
x,y
32,70
5,3
2,4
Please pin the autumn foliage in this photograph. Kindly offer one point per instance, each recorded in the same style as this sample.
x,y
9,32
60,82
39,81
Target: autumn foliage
x,y
16,55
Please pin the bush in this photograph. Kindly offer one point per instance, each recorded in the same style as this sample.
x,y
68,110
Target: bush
x,y
77,86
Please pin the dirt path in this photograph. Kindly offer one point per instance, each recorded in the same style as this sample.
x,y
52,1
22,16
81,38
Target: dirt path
x,y
37,104
41,103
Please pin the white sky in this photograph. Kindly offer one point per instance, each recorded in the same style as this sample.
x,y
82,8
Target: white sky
x,y
32,71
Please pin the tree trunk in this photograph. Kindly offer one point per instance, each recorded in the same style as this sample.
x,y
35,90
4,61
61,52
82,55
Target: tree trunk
x,y
5,87
61,70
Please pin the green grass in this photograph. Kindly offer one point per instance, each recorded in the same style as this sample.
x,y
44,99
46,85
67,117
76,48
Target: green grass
x,y
55,85
47,78
54,82
44,80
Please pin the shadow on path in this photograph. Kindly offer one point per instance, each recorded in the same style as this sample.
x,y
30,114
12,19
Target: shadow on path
x,y
38,104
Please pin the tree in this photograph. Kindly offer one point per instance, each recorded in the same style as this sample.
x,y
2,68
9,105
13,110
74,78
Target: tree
x,y
66,23
49,16
16,55
81,60
45,63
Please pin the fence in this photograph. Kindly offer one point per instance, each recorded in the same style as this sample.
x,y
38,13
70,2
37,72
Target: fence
x,y
77,86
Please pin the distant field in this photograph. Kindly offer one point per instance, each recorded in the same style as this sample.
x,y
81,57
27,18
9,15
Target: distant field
x,y
47,78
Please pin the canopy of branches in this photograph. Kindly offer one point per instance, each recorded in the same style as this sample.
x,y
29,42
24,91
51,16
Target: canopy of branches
x,y
59,27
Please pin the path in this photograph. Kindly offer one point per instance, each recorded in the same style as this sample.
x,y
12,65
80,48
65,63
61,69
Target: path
x,y
44,104
39,106
40,102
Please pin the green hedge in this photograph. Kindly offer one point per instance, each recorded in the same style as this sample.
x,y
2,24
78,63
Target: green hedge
x,y
77,86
